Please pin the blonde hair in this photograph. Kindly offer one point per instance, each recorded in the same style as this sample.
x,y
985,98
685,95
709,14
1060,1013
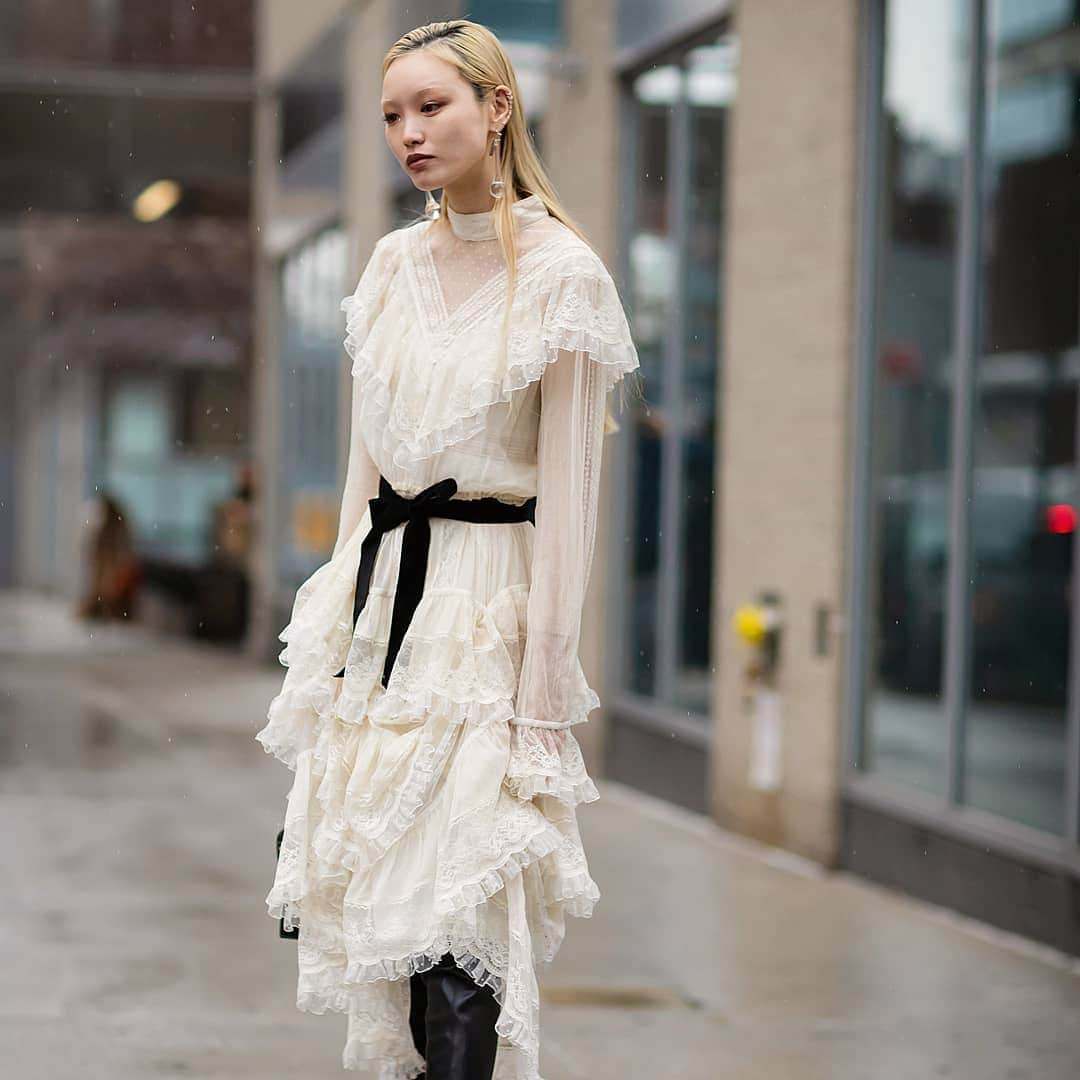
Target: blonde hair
x,y
480,59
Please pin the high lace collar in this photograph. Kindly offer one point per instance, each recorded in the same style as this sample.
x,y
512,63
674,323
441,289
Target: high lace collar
x,y
481,226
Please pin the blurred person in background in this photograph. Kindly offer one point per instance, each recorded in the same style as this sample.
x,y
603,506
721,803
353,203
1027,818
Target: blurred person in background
x,y
113,570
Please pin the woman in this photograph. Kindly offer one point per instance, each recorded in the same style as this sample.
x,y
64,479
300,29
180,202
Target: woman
x,y
430,850
115,570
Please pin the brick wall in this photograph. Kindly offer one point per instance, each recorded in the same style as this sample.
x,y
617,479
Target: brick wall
x,y
782,447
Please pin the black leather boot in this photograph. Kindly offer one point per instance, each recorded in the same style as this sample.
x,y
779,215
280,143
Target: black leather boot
x,y
459,1037
417,1016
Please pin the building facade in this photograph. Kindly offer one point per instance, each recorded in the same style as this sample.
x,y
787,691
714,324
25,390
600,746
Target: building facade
x,y
846,234
125,256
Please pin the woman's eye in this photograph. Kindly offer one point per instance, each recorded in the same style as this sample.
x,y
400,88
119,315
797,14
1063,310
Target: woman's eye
x,y
390,117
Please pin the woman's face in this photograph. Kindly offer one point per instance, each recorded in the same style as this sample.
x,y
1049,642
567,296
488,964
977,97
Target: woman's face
x,y
429,109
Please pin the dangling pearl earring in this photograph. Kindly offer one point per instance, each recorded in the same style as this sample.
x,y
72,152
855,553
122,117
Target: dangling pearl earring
x,y
431,208
497,185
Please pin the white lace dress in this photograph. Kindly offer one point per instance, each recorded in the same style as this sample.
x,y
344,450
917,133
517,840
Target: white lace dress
x,y
437,813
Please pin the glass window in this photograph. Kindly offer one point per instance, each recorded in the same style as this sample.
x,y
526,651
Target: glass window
x,y
1010,711
710,84
652,285
1024,484
674,256
924,124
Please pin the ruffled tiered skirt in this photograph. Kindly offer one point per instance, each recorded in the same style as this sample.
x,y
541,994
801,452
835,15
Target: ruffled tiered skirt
x,y
415,824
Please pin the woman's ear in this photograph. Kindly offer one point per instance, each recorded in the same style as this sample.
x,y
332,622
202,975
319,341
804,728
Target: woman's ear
x,y
500,106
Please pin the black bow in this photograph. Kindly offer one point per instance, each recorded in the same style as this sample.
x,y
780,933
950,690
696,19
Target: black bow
x,y
389,510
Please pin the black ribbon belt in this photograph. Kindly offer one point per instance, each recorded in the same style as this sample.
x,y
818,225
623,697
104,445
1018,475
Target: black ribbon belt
x,y
388,510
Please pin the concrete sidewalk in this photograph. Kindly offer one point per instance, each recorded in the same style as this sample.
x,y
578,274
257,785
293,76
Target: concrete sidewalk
x,y
140,817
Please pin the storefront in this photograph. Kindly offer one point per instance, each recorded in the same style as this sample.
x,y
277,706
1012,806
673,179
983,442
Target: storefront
x,y
847,237
963,746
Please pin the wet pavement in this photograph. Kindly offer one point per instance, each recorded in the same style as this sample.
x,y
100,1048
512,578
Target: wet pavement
x,y
140,814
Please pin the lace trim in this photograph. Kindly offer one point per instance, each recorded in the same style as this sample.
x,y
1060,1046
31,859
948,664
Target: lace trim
x,y
486,297
452,672
337,937
456,678
442,682
535,770
360,1054
582,312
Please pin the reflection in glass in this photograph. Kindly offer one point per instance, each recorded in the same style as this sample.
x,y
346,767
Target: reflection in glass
x,y
680,112
710,76
1024,484
651,277
312,285
924,124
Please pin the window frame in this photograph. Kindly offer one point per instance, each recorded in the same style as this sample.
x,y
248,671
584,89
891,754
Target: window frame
x,y
657,712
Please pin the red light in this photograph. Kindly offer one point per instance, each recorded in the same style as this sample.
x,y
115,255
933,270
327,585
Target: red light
x,y
902,360
1061,518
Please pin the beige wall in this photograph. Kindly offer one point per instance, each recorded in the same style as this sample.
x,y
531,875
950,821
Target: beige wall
x,y
286,29
782,447
366,195
580,131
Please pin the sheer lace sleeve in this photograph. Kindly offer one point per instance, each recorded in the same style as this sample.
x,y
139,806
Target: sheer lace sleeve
x,y
591,349
361,477
361,309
